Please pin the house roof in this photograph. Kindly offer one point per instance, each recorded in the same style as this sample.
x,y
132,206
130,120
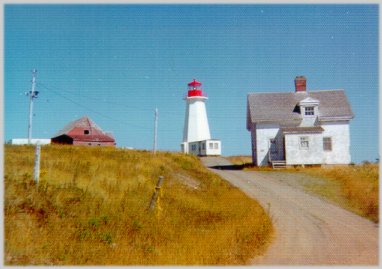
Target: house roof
x,y
283,108
84,129
302,130
309,100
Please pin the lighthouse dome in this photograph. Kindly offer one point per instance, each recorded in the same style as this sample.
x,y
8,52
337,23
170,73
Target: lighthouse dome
x,y
195,90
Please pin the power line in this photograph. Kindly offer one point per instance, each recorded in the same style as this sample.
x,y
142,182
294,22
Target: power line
x,y
138,109
97,99
114,103
90,109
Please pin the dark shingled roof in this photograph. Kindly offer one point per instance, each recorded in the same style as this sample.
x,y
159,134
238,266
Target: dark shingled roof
x,y
302,130
282,108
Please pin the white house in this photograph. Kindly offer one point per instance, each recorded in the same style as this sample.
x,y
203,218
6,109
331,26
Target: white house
x,y
299,128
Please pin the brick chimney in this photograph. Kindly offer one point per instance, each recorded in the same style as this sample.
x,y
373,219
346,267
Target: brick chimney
x,y
300,84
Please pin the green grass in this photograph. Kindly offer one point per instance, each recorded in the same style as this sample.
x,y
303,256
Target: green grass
x,y
91,208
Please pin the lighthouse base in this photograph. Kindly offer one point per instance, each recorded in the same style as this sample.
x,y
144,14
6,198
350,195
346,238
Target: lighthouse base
x,y
209,147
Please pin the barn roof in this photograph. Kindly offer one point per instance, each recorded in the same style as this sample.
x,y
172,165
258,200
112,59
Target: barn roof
x,y
283,108
84,129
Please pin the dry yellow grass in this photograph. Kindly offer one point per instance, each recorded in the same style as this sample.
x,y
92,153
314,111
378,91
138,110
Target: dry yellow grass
x,y
245,163
359,184
90,208
240,160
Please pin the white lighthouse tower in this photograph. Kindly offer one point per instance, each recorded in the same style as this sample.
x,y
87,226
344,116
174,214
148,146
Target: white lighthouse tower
x,y
196,133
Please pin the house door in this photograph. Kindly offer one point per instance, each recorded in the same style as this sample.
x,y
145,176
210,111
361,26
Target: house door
x,y
284,148
273,152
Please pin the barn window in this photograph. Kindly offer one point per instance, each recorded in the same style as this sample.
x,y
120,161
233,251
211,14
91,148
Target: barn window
x,y
327,141
86,132
304,142
309,111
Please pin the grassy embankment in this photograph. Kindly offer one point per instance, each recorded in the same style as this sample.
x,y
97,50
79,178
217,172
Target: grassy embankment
x,y
90,208
354,187
359,185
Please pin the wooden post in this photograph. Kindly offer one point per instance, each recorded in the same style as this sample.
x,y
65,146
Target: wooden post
x,y
156,193
37,163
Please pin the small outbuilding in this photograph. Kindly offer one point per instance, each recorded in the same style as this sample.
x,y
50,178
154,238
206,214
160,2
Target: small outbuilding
x,y
33,141
83,132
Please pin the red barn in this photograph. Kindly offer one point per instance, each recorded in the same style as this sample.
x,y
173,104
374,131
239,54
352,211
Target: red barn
x,y
83,132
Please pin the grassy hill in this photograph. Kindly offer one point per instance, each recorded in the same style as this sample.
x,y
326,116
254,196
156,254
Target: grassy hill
x,y
91,208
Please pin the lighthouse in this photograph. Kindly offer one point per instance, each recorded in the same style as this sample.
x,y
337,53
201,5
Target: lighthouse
x,y
196,133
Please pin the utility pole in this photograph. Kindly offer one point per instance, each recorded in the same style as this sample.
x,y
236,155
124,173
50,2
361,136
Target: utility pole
x,y
155,131
32,94
37,163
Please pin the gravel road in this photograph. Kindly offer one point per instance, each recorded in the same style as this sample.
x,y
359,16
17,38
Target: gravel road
x,y
309,230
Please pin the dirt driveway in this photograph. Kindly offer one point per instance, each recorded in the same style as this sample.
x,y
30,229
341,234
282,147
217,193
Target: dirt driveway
x,y
309,230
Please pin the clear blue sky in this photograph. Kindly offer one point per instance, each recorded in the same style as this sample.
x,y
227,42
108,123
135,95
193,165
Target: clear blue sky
x,y
117,63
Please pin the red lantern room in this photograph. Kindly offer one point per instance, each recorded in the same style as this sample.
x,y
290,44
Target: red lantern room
x,y
195,89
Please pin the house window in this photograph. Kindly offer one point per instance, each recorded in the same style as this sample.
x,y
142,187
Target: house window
x,y
211,145
304,142
193,147
203,146
86,132
216,145
327,141
309,111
